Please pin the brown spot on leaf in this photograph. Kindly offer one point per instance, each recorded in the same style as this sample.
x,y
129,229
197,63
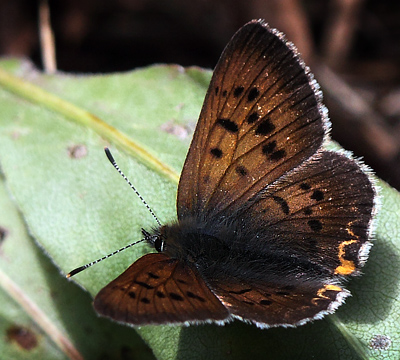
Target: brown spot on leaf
x,y
3,234
380,342
77,151
23,337
180,131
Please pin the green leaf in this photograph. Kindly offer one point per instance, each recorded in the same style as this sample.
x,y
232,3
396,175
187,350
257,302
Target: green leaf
x,y
52,133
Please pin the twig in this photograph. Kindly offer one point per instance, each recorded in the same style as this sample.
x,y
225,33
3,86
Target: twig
x,y
47,38
340,31
371,123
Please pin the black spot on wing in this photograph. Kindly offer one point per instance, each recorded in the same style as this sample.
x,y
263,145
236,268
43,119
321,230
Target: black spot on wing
x,y
194,296
239,292
216,153
317,195
253,94
241,170
238,91
278,155
305,186
160,294
315,225
153,276
253,117
269,148
175,296
308,211
265,127
228,125
282,203
143,284
265,302
282,293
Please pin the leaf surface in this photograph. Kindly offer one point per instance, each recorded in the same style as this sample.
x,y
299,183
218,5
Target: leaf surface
x,y
77,208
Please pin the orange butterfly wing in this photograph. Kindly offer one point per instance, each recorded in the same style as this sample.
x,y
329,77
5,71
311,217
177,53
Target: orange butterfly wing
x,y
157,289
260,119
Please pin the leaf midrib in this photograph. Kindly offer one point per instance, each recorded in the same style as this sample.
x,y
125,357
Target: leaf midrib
x,y
85,118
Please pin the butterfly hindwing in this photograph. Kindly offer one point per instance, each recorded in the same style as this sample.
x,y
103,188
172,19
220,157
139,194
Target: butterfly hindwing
x,y
297,240
275,304
321,212
262,116
157,289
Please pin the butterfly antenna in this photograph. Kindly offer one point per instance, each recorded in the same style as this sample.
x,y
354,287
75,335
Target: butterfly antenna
x,y
112,161
81,268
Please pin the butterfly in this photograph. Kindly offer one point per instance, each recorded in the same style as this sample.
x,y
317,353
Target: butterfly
x,y
270,224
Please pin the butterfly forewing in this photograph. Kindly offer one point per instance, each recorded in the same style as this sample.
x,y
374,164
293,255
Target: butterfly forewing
x,y
158,289
261,117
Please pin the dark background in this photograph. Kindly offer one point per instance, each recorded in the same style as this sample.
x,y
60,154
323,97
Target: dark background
x,y
352,46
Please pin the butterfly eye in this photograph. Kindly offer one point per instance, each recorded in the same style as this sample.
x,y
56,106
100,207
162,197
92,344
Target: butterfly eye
x,y
159,244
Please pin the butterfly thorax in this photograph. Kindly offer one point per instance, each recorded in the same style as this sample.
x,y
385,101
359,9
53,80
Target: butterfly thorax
x,y
191,239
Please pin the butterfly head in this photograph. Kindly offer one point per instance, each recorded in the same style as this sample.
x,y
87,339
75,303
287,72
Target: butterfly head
x,y
156,239
166,239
